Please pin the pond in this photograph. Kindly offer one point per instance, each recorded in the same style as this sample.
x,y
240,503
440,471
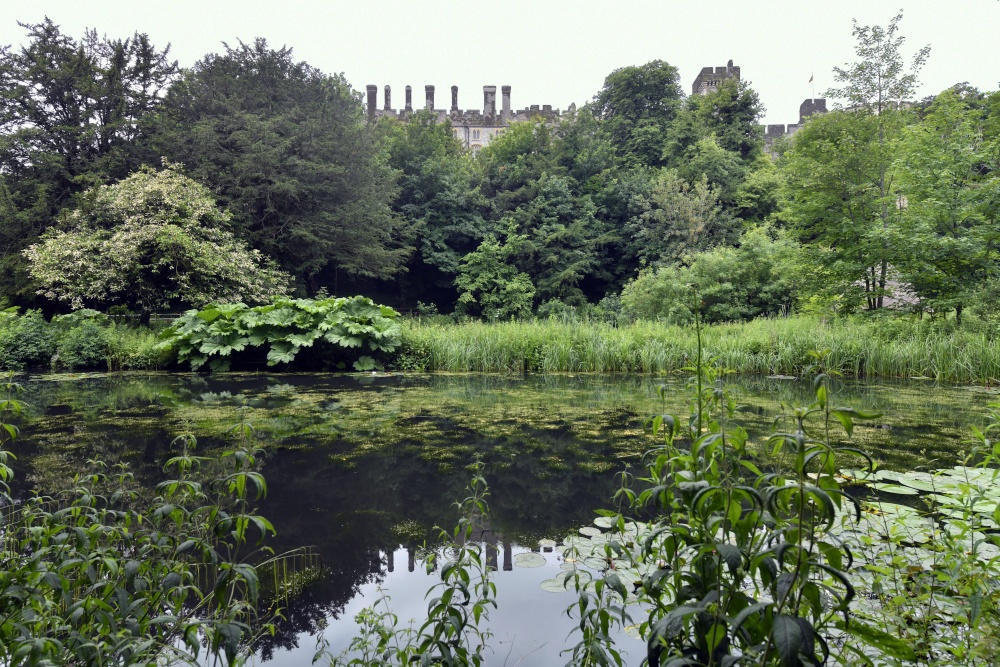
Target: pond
x,y
363,467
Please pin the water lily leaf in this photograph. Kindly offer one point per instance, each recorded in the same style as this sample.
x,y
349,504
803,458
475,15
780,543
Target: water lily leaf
x,y
604,521
894,488
529,559
547,544
590,531
557,585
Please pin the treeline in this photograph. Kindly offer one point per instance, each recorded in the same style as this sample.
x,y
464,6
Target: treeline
x,y
128,182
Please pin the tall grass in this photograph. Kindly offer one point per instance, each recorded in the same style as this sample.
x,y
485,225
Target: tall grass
x,y
858,347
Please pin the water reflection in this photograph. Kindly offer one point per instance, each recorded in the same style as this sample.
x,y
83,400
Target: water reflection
x,y
364,467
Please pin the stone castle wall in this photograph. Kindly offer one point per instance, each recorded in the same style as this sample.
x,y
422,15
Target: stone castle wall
x,y
474,128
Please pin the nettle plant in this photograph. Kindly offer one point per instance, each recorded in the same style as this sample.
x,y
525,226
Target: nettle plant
x,y
337,329
729,563
99,575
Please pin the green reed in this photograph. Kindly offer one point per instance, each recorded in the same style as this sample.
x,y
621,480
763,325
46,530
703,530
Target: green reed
x,y
859,347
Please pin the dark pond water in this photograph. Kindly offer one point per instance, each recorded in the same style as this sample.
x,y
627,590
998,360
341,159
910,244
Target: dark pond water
x,y
362,467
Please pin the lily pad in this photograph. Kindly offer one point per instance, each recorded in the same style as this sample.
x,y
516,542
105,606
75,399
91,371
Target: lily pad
x,y
547,544
590,531
529,559
604,521
897,489
559,584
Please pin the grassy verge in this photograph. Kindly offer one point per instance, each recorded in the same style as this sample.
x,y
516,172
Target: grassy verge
x,y
858,347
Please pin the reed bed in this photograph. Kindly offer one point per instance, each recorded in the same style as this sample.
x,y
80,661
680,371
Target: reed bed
x,y
858,347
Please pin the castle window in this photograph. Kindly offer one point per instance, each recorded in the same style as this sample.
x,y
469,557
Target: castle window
x,y
475,134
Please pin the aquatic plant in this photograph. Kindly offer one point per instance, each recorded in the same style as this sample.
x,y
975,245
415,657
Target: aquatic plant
x,y
218,333
859,347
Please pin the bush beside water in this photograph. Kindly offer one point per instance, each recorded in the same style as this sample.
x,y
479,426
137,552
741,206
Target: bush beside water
x,y
85,339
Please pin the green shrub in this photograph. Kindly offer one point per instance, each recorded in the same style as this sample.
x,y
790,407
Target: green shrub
x,y
99,575
734,284
135,348
26,341
83,346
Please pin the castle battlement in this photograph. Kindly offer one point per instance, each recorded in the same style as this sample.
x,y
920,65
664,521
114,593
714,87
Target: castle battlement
x,y
709,78
808,108
474,128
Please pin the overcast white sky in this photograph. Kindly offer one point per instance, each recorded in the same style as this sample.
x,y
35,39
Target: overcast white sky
x,y
550,51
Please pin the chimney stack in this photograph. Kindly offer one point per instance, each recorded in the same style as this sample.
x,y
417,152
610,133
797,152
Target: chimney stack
x,y
388,98
489,100
409,100
505,101
454,98
372,92
429,97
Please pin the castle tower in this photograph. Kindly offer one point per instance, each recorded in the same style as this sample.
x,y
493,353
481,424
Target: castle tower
x,y
708,79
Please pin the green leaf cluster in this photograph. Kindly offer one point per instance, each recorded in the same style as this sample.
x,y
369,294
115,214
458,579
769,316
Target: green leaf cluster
x,y
348,325
99,575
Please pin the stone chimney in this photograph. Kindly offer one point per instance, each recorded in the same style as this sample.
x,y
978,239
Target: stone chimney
x,y
388,98
489,100
409,99
429,97
454,98
505,101
372,93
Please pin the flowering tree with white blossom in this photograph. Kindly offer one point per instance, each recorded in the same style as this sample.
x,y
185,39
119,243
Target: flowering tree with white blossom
x,y
155,240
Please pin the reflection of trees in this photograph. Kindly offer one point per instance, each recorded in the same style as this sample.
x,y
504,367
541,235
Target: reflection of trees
x,y
358,469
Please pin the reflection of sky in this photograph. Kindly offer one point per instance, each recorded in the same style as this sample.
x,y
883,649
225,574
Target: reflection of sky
x,y
530,626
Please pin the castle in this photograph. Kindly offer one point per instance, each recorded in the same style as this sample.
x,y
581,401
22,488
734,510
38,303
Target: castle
x,y
476,129
708,81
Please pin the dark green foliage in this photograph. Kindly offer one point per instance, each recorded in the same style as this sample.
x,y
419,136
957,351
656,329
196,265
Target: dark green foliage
x,y
26,340
82,346
285,148
438,199
565,241
490,284
339,330
637,104
948,236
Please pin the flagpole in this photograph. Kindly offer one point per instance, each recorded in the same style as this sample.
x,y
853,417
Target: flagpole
x,y
811,83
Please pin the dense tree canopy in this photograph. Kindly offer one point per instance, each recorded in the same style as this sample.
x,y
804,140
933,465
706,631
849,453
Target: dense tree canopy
x,y
876,197
438,199
637,105
284,147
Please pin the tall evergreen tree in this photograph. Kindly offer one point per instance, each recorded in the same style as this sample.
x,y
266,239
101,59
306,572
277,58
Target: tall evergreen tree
x,y
286,149
71,114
